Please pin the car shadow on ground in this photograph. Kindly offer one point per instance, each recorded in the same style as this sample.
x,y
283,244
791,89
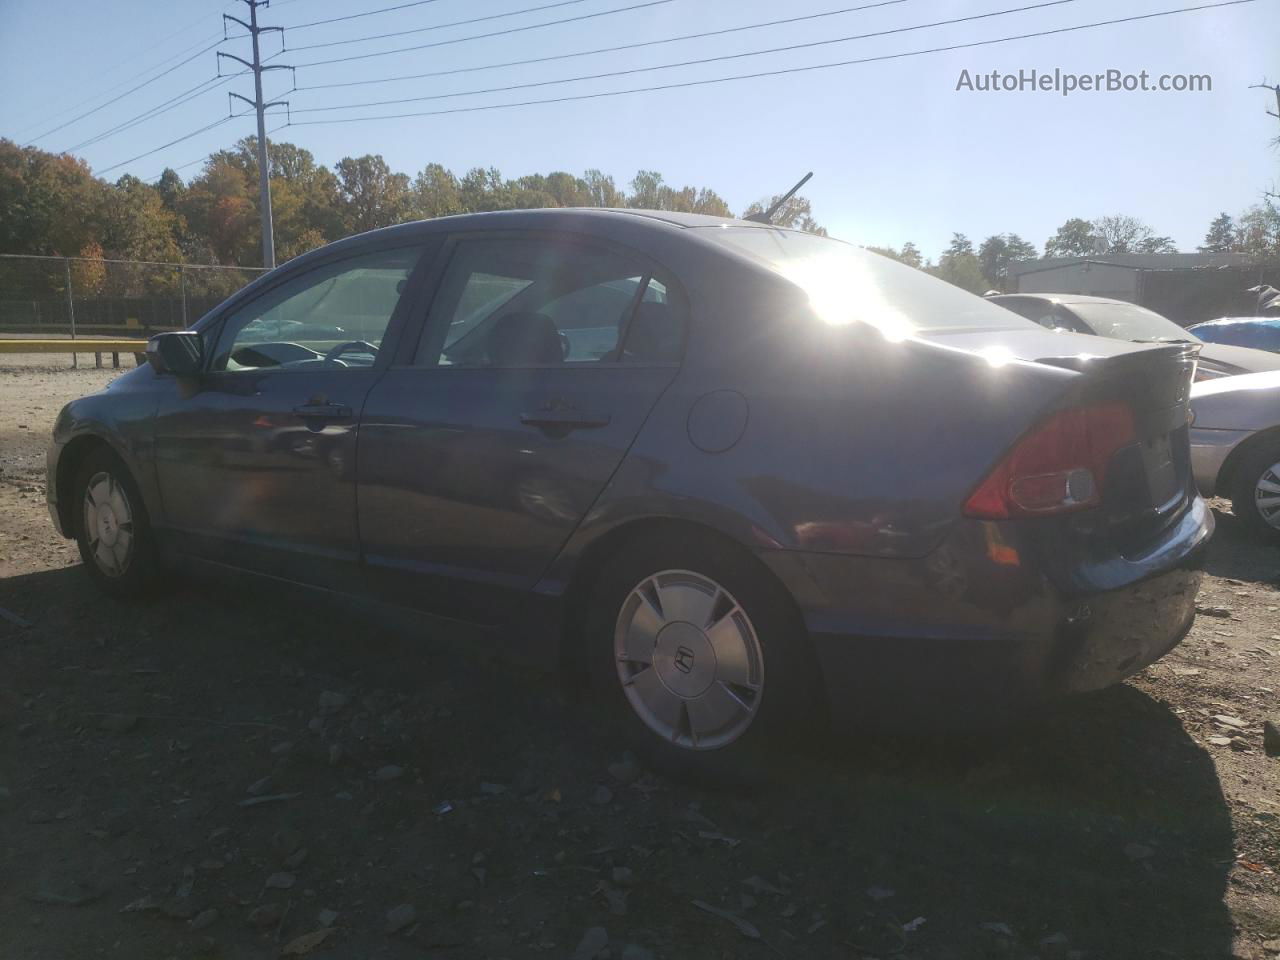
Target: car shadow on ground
x,y
1239,553
129,736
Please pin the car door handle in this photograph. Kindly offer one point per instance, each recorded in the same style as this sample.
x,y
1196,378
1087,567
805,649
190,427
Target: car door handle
x,y
565,419
328,411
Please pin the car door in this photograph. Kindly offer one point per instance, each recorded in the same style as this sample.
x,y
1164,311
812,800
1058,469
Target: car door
x,y
256,458
539,360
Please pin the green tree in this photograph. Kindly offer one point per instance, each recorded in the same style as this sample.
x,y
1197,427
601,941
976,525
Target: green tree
x,y
1155,244
135,224
370,195
959,265
1221,237
436,193
1074,239
908,254
602,191
996,253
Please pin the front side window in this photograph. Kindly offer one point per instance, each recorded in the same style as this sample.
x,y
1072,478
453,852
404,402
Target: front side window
x,y
335,315
537,302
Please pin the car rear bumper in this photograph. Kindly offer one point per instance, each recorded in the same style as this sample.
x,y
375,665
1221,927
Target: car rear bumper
x,y
977,627
1209,451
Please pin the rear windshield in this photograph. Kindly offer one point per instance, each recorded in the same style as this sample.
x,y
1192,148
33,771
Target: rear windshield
x,y
847,284
1128,321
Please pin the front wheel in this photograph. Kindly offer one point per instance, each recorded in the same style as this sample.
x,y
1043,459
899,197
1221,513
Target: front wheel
x,y
1255,493
112,529
700,657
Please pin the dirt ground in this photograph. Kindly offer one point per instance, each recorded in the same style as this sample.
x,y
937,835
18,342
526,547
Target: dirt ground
x,y
236,771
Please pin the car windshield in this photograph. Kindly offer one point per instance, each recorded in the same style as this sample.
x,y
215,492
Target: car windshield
x,y
1128,321
847,284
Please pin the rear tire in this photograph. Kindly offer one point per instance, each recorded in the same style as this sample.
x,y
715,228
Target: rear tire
x,y
1256,480
112,529
699,656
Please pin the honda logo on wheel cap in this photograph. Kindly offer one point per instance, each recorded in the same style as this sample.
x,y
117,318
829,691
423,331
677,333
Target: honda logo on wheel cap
x,y
684,659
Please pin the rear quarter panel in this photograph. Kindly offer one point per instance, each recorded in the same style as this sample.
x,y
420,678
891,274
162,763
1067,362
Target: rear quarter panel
x,y
853,444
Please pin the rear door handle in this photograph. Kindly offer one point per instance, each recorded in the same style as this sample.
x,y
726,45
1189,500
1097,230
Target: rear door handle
x,y
570,419
327,411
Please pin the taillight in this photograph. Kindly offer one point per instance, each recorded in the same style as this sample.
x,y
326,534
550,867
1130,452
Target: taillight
x,y
1060,465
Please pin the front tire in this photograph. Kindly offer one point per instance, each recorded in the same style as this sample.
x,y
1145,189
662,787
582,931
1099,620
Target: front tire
x,y
1255,490
113,531
699,656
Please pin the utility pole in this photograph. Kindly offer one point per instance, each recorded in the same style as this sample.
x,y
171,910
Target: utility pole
x,y
260,107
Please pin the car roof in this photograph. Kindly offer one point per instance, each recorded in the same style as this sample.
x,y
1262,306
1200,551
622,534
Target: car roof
x,y
497,219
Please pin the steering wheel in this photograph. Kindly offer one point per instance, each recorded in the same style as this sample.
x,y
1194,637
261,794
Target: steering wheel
x,y
335,352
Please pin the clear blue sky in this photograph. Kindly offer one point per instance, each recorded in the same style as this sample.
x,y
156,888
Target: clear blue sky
x,y
898,154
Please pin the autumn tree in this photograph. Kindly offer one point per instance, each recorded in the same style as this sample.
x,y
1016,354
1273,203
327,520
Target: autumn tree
x,y
796,213
1260,232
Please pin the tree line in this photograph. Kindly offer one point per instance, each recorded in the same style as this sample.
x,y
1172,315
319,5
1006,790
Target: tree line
x,y
1255,233
51,204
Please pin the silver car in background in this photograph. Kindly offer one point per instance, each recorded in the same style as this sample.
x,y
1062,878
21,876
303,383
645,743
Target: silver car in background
x,y
1121,320
1235,446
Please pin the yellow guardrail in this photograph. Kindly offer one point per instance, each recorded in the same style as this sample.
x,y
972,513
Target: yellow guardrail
x,y
79,345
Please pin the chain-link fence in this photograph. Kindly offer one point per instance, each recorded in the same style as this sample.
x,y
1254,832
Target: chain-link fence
x,y
76,296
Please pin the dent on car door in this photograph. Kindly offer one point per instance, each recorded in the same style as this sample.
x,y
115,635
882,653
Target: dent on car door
x,y
256,458
539,361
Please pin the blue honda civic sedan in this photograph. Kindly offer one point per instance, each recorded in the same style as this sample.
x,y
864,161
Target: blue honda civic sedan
x,y
742,480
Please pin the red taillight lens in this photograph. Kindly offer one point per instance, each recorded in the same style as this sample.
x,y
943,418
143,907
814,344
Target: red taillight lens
x,y
1059,466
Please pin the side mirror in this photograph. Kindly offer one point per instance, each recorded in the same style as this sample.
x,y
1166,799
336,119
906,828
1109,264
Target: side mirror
x,y
180,353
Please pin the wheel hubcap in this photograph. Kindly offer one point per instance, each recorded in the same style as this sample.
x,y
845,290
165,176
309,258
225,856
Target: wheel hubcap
x,y
108,524
1266,495
689,660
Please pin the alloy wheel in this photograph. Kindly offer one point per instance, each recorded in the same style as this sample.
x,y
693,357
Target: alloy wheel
x,y
108,524
1266,495
689,660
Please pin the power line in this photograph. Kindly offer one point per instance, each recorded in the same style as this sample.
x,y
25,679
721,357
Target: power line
x,y
355,16
784,70
108,92
481,36
697,62
181,166
439,26
614,49
145,83
192,163
218,123
204,86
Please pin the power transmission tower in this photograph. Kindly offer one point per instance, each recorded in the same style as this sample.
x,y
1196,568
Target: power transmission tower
x,y
260,107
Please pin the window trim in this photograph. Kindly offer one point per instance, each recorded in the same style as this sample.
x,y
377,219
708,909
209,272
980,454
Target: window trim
x,y
428,247
433,287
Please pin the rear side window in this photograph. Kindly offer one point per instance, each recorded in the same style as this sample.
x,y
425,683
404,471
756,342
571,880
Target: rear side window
x,y
846,284
538,302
